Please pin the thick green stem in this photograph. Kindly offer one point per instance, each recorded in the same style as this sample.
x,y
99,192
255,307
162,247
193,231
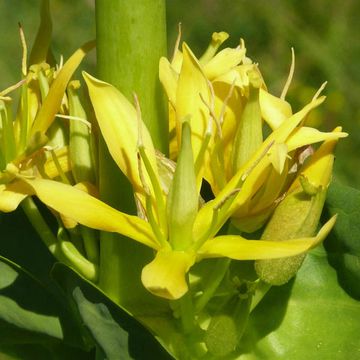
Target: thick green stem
x,y
131,37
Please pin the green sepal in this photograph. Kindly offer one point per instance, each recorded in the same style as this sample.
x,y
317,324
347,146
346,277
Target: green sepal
x,y
297,215
80,138
40,50
248,137
182,204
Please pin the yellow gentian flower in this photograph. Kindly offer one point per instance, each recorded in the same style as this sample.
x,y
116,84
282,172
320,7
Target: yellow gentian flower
x,y
23,138
175,226
227,104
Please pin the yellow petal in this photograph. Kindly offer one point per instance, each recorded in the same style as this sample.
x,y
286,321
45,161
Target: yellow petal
x,y
168,78
223,61
54,98
277,156
318,170
217,167
238,76
307,135
257,175
165,276
119,126
50,169
217,39
238,248
192,83
273,109
70,223
177,61
89,211
12,194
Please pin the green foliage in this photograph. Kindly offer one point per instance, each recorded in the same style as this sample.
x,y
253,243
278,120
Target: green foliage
x,y
311,317
115,332
343,244
63,316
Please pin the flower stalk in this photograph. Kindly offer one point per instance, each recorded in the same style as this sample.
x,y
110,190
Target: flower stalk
x,y
130,41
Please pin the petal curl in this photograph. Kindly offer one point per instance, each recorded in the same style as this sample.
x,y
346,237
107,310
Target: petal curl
x,y
119,125
238,248
53,100
307,135
12,194
165,276
89,211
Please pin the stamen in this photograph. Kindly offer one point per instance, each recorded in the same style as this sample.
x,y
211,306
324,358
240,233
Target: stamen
x,y
177,43
242,43
149,212
256,162
210,107
11,88
151,218
204,146
317,94
226,198
24,47
217,40
160,204
139,121
62,175
291,74
76,118
61,64
228,96
141,175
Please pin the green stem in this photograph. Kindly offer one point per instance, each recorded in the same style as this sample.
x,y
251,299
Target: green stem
x,y
261,290
63,251
213,281
131,37
42,228
187,314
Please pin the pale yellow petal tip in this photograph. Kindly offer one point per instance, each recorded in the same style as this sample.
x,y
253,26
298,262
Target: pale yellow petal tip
x,y
92,80
220,36
165,276
325,230
341,134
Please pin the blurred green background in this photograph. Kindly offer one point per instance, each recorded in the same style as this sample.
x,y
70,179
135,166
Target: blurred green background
x,y
325,35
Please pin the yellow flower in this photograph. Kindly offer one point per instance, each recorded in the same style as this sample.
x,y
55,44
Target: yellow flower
x,y
23,140
225,98
298,214
172,223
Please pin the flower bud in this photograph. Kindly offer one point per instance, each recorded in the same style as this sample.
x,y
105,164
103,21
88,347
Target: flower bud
x,y
298,214
248,136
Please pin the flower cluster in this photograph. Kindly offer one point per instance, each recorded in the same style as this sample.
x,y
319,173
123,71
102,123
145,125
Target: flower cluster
x,y
219,113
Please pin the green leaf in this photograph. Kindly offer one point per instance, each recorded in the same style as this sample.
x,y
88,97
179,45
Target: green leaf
x,y
26,312
42,352
309,318
18,239
343,244
32,308
116,333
